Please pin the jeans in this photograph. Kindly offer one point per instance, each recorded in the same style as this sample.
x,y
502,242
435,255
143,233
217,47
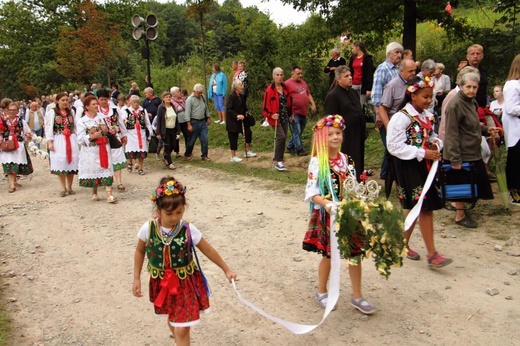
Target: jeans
x,y
386,159
297,127
200,130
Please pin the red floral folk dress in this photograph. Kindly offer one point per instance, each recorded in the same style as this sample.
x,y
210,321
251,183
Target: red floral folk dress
x,y
177,286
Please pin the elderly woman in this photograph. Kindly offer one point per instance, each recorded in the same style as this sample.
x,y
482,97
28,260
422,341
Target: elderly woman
x,y
136,120
95,159
217,91
168,128
179,104
62,143
276,108
16,129
236,110
463,141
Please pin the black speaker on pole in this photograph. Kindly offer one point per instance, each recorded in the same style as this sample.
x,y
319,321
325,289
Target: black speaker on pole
x,y
145,53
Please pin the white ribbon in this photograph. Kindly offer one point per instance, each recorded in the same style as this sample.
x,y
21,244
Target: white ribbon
x,y
414,213
334,280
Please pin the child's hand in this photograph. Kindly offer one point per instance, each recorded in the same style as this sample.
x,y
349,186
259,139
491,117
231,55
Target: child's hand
x,y
136,288
230,275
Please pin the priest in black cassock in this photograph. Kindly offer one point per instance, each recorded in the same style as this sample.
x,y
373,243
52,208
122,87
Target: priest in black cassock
x,y
344,100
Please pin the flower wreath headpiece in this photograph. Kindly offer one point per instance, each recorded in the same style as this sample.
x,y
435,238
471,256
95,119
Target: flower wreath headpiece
x,y
426,83
170,188
331,120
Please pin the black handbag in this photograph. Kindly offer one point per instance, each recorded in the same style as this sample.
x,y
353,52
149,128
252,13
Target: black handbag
x,y
114,142
250,119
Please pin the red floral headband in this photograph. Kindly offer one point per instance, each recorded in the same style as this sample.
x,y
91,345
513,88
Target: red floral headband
x,y
331,120
170,188
426,83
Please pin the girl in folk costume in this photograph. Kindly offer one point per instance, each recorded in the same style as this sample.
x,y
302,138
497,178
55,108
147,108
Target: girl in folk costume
x,y
14,128
412,142
116,127
62,143
177,285
136,119
95,161
328,169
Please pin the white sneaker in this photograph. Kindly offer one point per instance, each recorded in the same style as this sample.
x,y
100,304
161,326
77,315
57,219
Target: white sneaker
x,y
236,159
216,121
265,123
249,154
280,167
157,157
222,123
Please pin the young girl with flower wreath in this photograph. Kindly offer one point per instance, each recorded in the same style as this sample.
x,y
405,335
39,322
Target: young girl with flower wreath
x,y
327,171
413,144
62,143
177,286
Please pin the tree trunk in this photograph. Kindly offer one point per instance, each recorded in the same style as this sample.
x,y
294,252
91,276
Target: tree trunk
x,y
410,25
203,49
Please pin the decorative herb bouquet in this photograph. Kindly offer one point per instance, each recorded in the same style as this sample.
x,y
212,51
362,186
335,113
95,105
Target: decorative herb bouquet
x,y
375,221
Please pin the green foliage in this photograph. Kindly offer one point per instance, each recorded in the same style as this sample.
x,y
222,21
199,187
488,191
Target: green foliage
x,y
378,225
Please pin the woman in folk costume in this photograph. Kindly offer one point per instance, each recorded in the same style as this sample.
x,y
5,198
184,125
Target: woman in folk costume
x,y
136,120
62,143
95,161
116,126
14,128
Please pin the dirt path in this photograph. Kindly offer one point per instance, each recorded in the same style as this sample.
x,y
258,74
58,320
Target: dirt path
x,y
67,264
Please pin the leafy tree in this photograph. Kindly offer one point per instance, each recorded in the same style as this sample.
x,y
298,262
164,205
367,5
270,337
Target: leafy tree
x,y
82,52
197,10
382,17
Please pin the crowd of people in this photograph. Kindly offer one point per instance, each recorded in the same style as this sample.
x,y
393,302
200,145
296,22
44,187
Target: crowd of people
x,y
420,118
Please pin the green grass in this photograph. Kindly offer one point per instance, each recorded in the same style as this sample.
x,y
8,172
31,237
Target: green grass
x,y
4,322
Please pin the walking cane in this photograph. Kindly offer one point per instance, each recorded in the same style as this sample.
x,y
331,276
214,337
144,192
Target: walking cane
x,y
245,144
274,145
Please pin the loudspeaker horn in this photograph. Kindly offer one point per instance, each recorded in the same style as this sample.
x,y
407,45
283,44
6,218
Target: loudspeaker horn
x,y
137,34
137,21
151,34
152,20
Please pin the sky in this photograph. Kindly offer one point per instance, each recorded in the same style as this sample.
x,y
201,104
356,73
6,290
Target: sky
x,y
280,14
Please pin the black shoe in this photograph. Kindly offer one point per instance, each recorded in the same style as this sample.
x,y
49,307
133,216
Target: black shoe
x,y
301,153
290,151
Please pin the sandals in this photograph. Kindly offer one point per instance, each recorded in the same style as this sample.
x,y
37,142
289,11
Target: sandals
x,y
438,261
111,199
17,184
63,193
12,189
467,222
121,187
363,305
141,172
322,299
187,158
94,198
129,167
410,254
71,192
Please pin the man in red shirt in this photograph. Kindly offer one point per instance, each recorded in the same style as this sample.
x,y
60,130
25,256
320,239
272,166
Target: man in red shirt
x,y
301,97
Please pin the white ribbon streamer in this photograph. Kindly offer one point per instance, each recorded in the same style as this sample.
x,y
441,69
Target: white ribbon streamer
x,y
334,281
414,213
